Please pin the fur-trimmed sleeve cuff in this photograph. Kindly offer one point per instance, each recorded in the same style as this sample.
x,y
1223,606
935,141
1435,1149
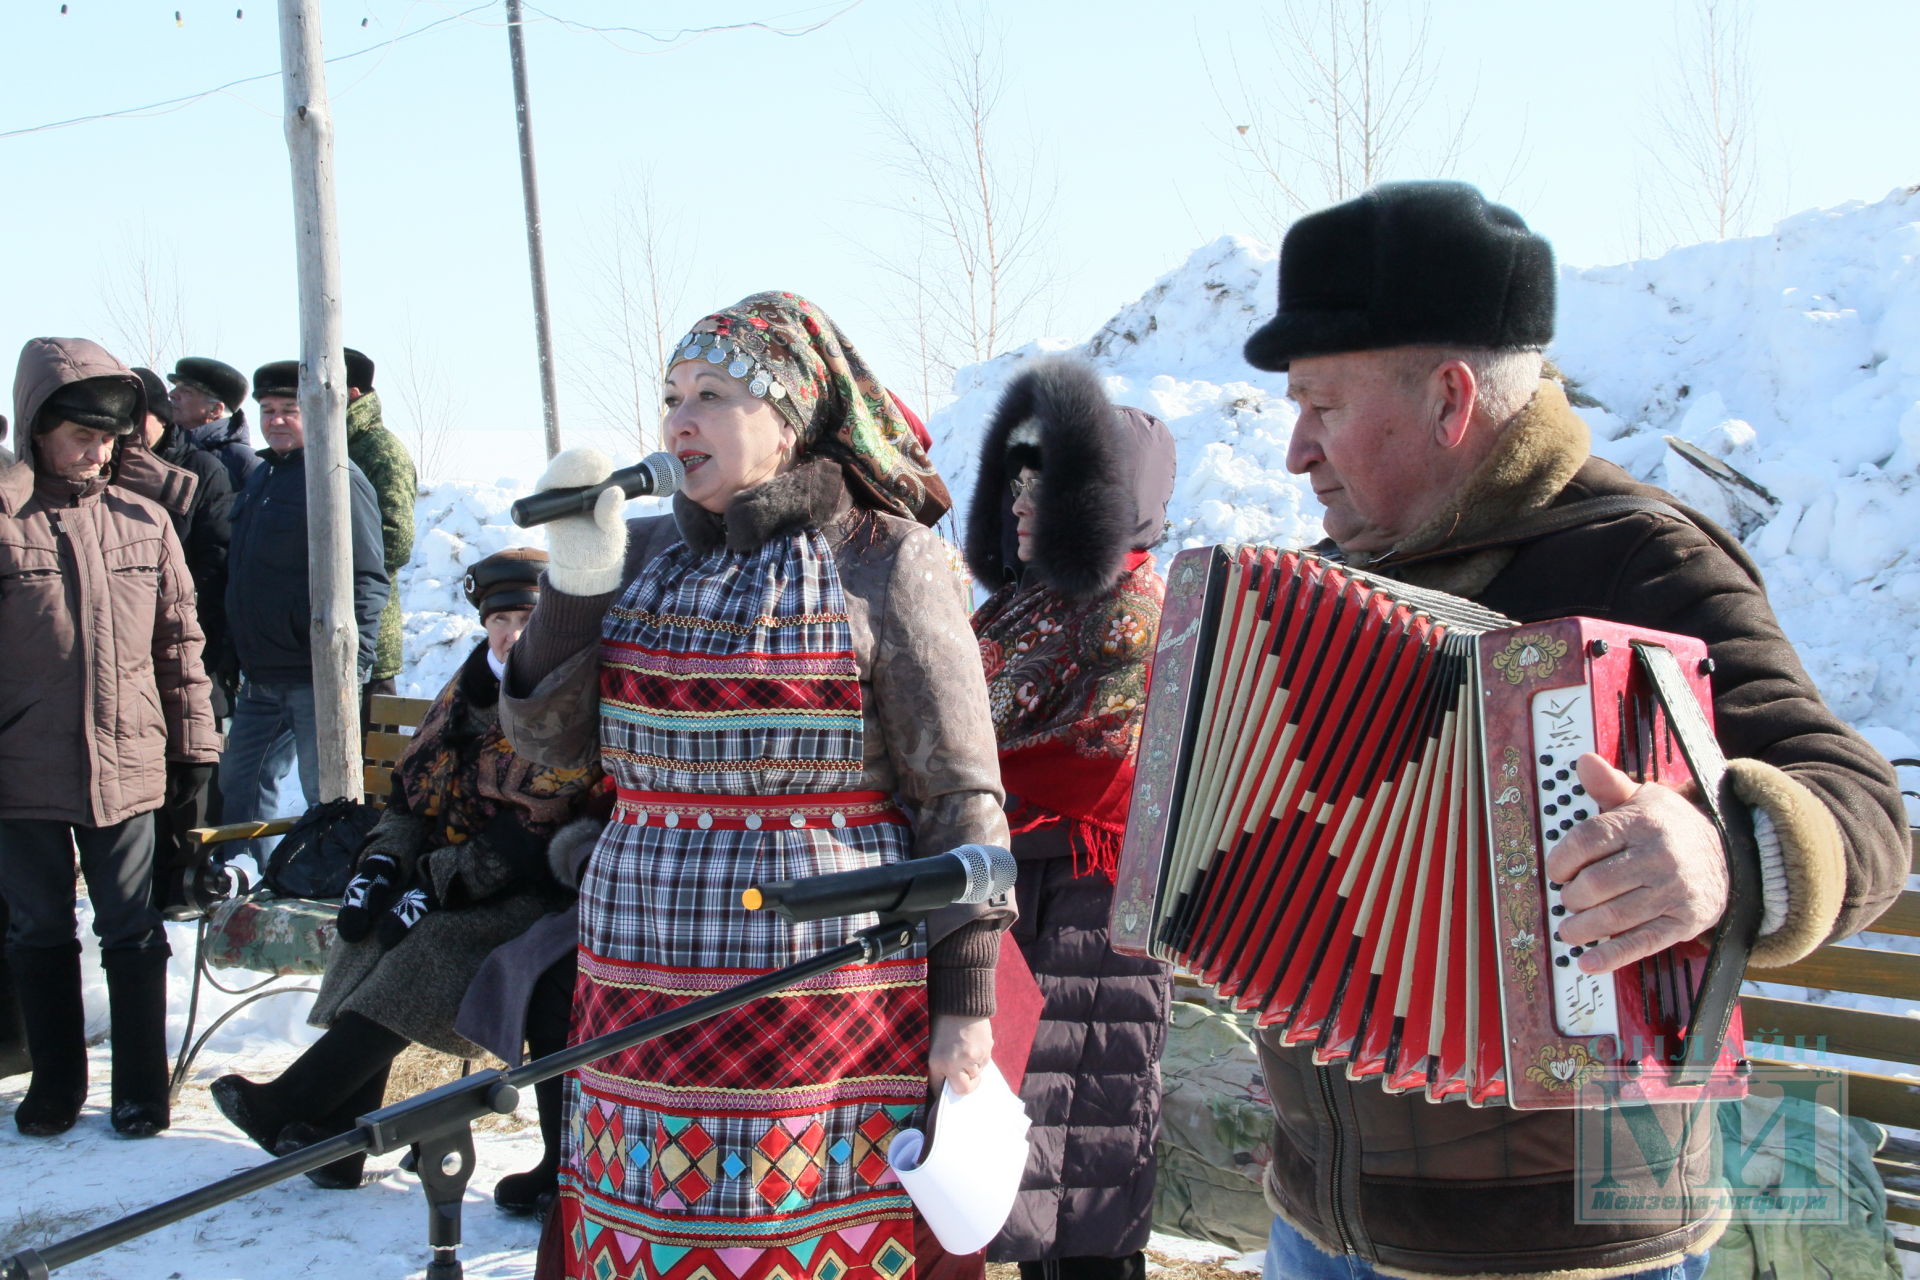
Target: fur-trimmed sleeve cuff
x,y
1803,864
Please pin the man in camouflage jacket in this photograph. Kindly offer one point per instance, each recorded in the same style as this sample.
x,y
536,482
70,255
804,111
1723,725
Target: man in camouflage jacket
x,y
379,453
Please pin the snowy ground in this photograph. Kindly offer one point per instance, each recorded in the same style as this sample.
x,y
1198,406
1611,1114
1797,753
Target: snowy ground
x,y
1795,357
51,1189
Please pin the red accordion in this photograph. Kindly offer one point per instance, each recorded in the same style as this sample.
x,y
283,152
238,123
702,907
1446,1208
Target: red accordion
x,y
1346,791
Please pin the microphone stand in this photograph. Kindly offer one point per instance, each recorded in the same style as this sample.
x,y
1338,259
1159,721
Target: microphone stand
x,y
438,1123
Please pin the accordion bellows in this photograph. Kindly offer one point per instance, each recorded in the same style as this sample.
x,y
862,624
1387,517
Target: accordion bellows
x,y
1347,788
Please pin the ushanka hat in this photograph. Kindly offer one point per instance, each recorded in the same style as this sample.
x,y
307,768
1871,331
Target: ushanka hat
x,y
359,369
787,351
113,402
1407,264
157,403
507,579
213,378
280,378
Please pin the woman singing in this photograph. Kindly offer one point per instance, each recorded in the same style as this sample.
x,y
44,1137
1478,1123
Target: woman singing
x,y
780,678
1072,492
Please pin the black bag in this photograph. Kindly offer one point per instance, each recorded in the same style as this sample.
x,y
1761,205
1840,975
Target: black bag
x,y
316,859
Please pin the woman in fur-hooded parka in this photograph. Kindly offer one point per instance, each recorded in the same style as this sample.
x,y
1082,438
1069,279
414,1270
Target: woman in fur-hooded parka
x,y
1072,492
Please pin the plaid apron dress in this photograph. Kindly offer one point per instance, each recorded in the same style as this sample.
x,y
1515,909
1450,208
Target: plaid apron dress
x,y
751,1146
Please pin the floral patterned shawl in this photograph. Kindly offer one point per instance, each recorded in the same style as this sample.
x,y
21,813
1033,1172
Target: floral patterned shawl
x,y
787,350
1067,686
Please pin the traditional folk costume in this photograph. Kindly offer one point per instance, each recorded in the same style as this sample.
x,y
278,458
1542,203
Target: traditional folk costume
x,y
1066,646
767,684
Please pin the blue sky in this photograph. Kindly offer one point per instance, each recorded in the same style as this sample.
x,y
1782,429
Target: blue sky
x,y
764,155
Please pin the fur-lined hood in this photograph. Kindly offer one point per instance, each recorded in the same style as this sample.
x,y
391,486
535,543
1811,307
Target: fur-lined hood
x,y
1109,476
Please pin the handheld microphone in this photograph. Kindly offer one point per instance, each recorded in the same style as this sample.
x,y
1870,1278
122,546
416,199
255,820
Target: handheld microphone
x,y
657,473
971,873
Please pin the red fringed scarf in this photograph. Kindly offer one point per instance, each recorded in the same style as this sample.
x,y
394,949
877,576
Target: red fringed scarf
x,y
1067,684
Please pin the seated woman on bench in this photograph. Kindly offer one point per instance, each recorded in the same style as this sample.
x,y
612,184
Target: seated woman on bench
x,y
462,862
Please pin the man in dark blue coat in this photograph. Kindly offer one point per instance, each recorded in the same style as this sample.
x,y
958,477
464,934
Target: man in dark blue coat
x,y
269,618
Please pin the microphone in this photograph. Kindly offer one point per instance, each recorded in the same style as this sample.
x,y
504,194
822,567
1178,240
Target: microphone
x,y
971,873
657,473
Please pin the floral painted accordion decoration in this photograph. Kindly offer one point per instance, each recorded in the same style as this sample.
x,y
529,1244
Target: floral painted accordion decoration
x,y
1346,792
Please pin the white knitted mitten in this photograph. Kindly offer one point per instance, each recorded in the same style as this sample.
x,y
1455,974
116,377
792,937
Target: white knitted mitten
x,y
588,550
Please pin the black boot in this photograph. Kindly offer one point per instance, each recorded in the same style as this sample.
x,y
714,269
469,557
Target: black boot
x,y
46,981
549,1021
348,1172
530,1193
14,1058
137,998
333,1071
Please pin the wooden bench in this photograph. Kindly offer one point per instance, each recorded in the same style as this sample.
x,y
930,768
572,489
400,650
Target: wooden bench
x,y
225,901
1790,1029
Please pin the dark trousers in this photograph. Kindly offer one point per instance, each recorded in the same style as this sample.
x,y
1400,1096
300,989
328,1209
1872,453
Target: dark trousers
x,y
36,878
1132,1266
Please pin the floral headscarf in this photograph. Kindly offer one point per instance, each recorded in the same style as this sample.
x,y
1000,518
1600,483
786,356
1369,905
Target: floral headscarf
x,y
786,350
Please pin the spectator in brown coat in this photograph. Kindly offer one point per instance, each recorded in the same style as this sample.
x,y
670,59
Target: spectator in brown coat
x,y
102,687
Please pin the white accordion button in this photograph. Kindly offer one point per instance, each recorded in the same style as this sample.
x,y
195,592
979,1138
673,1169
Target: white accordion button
x,y
753,822
798,820
673,819
706,820
839,819
639,817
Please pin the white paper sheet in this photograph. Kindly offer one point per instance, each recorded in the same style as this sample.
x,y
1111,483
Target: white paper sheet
x,y
964,1187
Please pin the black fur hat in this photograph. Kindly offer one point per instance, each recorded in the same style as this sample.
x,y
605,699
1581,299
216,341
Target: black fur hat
x,y
157,403
359,370
212,377
280,378
1405,264
113,403
1107,476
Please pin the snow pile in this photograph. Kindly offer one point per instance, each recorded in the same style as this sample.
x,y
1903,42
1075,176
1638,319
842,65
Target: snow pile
x,y
1794,357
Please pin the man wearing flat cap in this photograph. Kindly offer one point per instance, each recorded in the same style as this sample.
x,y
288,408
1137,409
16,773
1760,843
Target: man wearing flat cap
x,y
206,403
1411,325
101,695
268,613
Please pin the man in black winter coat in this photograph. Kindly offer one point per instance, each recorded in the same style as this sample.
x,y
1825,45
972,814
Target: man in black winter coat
x,y
205,404
204,531
268,613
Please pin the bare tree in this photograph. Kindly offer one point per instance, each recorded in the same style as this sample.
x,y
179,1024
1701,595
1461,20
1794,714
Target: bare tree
x,y
433,410
979,209
1701,138
144,303
636,287
1348,112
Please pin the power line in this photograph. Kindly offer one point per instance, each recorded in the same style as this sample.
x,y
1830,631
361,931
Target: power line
x,y
175,104
686,35
671,40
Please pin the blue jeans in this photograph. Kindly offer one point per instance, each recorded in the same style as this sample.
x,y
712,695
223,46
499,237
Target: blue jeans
x,y
1291,1256
273,725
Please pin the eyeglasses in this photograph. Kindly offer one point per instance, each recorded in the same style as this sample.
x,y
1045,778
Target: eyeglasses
x,y
1027,486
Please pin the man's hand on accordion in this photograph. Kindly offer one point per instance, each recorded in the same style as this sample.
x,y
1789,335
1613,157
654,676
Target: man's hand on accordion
x,y
1645,873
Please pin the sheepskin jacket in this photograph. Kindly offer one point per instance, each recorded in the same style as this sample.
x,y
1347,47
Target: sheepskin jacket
x,y
1425,1189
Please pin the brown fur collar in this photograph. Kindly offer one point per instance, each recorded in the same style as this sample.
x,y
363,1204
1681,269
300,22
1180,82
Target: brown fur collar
x,y
1535,457
811,496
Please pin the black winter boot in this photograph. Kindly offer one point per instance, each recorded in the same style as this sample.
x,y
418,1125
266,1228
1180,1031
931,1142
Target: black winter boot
x,y
531,1193
46,981
14,1058
137,998
331,1073
349,1172
549,1021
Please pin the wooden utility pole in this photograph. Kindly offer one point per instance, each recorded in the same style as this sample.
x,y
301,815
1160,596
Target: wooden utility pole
x,y
323,401
536,251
